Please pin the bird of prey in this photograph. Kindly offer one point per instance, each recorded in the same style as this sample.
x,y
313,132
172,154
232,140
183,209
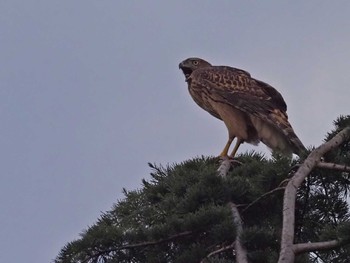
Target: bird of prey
x,y
252,110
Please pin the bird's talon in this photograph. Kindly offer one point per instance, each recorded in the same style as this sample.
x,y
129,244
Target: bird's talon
x,y
223,157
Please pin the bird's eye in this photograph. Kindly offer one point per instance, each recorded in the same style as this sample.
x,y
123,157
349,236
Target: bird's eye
x,y
195,62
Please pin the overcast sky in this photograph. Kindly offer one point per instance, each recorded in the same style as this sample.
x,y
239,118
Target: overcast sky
x,y
90,91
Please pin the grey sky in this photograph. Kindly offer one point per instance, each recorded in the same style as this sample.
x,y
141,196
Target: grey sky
x,y
90,91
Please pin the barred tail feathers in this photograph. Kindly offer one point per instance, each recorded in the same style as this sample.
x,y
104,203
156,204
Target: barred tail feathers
x,y
280,138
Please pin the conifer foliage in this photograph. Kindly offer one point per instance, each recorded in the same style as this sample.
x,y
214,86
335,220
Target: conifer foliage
x,y
181,213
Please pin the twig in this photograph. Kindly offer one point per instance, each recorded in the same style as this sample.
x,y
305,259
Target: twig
x,y
262,196
287,253
149,243
318,257
143,244
219,251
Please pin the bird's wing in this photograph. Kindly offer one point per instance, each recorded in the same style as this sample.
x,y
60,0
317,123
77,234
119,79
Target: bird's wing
x,y
236,88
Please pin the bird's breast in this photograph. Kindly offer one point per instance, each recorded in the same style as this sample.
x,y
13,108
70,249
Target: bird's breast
x,y
202,97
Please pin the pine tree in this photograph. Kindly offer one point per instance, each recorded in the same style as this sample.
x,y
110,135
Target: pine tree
x,y
187,213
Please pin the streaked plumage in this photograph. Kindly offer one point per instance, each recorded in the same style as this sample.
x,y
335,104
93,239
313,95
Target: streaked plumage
x,y
252,110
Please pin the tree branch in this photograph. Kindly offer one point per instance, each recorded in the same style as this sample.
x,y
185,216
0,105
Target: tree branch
x,y
334,166
219,251
142,244
241,253
149,243
224,167
287,254
316,246
261,197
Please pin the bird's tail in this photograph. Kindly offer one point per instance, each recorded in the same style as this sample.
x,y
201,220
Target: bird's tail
x,y
283,140
296,145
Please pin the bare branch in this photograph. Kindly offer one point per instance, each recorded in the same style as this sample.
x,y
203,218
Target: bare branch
x,y
149,243
224,167
226,164
334,166
241,253
142,244
262,196
316,246
219,251
287,254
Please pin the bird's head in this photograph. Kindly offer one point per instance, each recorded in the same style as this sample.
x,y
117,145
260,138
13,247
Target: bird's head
x,y
191,64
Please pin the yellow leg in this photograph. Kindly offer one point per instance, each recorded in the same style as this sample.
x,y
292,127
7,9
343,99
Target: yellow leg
x,y
234,151
227,146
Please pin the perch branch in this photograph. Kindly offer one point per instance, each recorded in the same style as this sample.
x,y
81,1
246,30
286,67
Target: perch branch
x,y
224,167
241,253
287,253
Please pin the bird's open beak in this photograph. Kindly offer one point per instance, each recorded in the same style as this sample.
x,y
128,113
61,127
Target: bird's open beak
x,y
187,71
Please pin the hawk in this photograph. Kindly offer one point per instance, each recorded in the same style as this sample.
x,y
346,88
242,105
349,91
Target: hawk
x,y
252,110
